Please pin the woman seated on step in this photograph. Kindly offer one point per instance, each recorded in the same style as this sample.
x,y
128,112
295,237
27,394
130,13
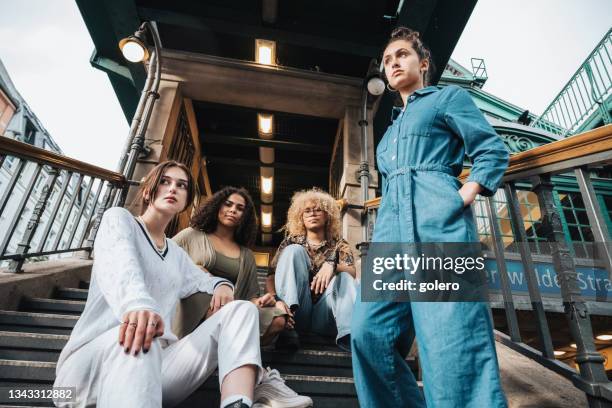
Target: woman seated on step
x,y
313,272
221,231
138,277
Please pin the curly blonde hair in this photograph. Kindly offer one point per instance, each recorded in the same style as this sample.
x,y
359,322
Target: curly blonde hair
x,y
299,201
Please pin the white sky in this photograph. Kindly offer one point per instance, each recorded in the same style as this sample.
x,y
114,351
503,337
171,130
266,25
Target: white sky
x,y
531,49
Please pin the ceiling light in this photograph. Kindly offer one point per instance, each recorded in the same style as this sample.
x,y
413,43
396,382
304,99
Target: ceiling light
x,y
559,352
604,337
266,219
266,185
265,52
265,123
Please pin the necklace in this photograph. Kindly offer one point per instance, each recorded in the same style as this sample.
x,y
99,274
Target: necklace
x,y
314,244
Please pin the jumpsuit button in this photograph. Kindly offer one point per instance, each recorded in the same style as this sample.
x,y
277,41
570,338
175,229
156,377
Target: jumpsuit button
x,y
395,140
392,157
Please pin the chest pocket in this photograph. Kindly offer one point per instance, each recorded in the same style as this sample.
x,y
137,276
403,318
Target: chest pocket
x,y
384,148
418,120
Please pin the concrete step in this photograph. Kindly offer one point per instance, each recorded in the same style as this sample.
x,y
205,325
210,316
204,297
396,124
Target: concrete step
x,y
44,373
27,371
84,284
52,305
31,346
326,392
31,340
71,294
47,347
31,322
310,362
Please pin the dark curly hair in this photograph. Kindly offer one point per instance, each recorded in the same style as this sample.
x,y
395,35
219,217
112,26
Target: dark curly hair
x,y
206,217
413,37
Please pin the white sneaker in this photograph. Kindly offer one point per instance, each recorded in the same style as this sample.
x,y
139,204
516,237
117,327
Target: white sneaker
x,y
273,393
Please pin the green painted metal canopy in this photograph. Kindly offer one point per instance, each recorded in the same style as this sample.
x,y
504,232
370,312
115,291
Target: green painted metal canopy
x,y
337,37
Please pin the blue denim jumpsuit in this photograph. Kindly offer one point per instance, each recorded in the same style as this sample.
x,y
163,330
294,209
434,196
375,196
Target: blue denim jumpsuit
x,y
419,158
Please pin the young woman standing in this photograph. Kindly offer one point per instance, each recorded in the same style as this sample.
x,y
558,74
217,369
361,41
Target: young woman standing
x,y
419,158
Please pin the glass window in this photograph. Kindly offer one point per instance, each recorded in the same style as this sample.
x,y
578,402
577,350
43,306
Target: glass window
x,y
577,222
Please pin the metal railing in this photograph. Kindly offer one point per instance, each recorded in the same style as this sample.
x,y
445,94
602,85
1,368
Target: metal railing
x,y
586,92
51,204
576,154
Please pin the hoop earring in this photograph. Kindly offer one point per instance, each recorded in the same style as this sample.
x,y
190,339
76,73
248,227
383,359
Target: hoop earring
x,y
390,89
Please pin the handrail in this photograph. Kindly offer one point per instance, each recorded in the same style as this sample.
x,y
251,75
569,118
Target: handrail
x,y
562,153
69,198
587,91
589,148
11,147
586,149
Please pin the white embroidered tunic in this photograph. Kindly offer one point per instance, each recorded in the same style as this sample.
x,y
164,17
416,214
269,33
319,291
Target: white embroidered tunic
x,y
130,273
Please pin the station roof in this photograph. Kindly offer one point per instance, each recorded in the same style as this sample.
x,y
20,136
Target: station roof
x,y
337,38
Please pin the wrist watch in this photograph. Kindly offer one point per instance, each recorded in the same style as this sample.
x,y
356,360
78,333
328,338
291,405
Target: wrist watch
x,y
277,298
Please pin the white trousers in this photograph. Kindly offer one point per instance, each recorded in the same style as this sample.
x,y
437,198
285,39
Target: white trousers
x,y
104,375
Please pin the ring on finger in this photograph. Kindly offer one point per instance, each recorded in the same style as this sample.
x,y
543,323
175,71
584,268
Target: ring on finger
x,y
134,324
153,324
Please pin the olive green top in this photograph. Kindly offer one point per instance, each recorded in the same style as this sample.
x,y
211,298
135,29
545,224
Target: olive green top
x,y
226,267
242,271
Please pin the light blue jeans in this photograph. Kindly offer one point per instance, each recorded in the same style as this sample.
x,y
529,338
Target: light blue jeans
x,y
456,352
332,314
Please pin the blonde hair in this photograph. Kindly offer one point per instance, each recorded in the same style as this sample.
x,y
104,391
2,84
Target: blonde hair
x,y
299,201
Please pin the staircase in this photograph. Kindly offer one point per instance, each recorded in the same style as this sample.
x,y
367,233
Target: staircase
x,y
32,337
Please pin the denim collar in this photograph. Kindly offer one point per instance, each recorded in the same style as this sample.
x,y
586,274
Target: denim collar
x,y
426,90
396,110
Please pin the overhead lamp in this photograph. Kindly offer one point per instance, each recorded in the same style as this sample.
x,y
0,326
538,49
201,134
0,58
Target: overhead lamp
x,y
604,337
559,352
266,218
134,48
376,85
265,123
265,52
573,345
266,185
374,82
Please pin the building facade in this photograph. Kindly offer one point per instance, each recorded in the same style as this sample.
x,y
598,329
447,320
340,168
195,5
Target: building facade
x,y
16,178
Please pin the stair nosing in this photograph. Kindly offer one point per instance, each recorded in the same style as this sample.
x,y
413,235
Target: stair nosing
x,y
36,314
56,301
79,290
27,363
34,335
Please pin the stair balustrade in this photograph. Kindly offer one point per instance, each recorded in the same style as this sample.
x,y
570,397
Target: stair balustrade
x,y
56,201
586,94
